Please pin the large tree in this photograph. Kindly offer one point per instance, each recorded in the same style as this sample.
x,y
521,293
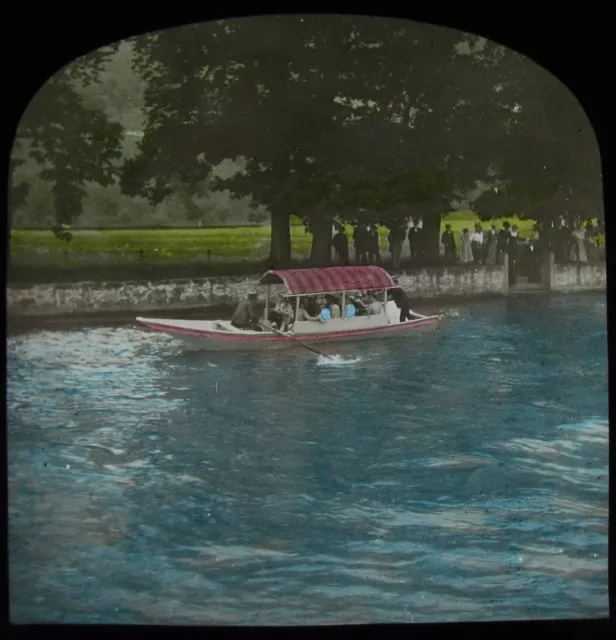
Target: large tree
x,y
258,88
336,114
550,165
72,143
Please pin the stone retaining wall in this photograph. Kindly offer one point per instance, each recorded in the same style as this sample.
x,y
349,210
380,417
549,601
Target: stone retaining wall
x,y
584,277
142,297
455,281
138,297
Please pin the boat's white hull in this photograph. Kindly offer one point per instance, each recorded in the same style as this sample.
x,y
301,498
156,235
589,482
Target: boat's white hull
x,y
220,336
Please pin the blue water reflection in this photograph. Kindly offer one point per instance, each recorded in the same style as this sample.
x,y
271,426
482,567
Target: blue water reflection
x,y
454,475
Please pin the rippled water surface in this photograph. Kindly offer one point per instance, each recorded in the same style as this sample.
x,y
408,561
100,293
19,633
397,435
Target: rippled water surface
x,y
459,474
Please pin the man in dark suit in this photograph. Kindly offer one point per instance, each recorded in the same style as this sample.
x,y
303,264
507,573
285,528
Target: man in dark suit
x,y
340,243
398,295
360,242
449,242
413,236
502,243
374,250
396,238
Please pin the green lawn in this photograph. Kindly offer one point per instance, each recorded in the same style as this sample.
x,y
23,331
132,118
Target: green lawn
x,y
158,245
179,245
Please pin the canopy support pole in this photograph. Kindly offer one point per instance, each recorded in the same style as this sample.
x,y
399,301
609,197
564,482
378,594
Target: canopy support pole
x,y
343,304
267,299
385,302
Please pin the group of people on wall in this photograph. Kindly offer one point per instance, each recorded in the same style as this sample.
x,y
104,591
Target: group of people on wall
x,y
366,244
582,243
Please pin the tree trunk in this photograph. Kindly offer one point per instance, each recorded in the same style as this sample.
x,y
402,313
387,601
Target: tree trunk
x,y
280,240
431,232
321,250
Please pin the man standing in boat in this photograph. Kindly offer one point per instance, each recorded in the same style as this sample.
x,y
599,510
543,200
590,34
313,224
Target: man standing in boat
x,y
247,314
398,295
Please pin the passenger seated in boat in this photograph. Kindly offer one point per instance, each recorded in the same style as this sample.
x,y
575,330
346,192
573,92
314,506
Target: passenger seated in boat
x,y
329,309
247,314
311,306
373,306
282,314
308,310
285,309
350,310
333,305
360,307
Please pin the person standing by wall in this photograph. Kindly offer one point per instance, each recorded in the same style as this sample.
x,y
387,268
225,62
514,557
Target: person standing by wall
x,y
577,252
413,239
466,252
535,255
449,243
397,236
564,241
360,241
340,243
504,236
420,240
491,241
513,251
374,250
477,244
395,240
590,242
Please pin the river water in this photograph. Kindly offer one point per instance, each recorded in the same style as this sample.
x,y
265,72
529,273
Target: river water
x,y
459,474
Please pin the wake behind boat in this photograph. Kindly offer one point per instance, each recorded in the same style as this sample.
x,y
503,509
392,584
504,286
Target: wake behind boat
x,y
222,335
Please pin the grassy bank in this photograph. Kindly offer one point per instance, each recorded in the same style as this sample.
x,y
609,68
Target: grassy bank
x,y
146,253
181,245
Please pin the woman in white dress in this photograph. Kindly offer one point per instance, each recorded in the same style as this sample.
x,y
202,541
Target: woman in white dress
x,y
466,252
578,250
590,242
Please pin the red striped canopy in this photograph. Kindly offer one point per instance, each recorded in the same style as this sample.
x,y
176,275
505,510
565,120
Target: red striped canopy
x,y
330,279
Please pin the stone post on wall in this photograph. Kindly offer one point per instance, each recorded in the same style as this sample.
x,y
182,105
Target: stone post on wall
x,y
506,274
547,277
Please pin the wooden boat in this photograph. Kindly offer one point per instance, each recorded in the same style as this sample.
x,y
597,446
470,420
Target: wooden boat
x,y
221,335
